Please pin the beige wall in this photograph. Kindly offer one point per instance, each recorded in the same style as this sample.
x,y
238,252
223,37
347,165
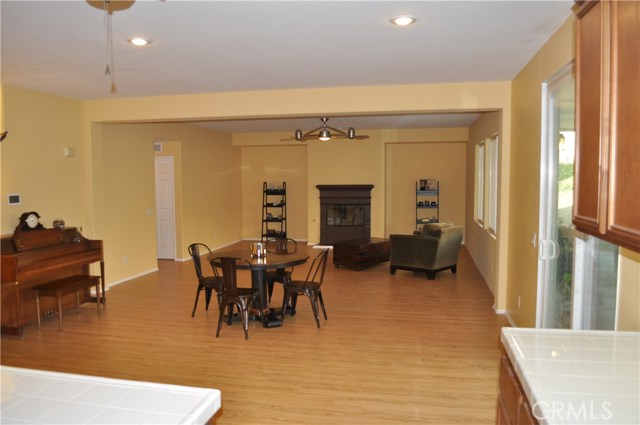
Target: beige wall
x,y
409,162
129,194
207,192
322,102
346,162
211,173
274,164
482,245
628,318
40,127
212,188
525,172
401,99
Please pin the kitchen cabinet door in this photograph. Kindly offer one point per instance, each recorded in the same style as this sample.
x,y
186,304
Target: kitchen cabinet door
x,y
607,168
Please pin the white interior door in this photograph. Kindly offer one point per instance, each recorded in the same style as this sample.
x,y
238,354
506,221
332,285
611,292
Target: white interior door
x,y
165,211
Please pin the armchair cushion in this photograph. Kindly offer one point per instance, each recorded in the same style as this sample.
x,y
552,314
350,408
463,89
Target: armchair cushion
x,y
434,229
435,250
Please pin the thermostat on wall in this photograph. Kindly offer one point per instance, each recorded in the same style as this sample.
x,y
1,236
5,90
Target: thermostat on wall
x,y
14,198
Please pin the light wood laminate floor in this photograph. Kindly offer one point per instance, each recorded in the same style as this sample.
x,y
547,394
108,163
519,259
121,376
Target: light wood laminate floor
x,y
396,349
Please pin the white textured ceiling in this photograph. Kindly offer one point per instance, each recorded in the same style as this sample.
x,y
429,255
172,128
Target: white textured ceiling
x,y
59,47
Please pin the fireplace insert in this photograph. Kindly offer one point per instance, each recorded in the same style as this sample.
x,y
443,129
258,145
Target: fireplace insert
x,y
345,213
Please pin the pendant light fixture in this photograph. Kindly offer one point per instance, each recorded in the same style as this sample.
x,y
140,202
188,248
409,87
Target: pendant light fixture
x,y
325,133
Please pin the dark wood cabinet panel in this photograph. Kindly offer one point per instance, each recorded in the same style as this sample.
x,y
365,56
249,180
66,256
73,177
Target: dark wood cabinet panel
x,y
510,393
502,418
588,183
525,415
512,407
623,223
607,172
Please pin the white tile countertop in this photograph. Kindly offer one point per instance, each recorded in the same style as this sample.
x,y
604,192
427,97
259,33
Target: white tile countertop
x,y
577,377
40,397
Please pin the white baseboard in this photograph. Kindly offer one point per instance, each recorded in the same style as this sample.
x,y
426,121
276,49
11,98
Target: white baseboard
x,y
215,248
117,282
259,239
506,314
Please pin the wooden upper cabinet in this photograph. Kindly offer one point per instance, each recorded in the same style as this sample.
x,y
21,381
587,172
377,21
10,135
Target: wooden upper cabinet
x,y
623,222
588,183
607,171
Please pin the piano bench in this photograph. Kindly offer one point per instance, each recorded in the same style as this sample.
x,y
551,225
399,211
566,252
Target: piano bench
x,y
58,287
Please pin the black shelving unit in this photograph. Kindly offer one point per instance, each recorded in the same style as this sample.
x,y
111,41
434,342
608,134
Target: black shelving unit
x,y
274,210
427,202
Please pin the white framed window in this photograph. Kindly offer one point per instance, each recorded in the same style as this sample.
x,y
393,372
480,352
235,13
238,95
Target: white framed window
x,y
492,183
478,198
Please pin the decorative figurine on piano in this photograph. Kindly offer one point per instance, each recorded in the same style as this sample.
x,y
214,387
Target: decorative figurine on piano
x,y
29,221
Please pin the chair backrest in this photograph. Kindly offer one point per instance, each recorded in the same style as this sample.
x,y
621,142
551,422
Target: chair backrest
x,y
196,250
282,246
226,268
449,244
316,271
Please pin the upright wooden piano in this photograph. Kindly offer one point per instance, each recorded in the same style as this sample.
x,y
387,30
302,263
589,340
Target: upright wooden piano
x,y
30,258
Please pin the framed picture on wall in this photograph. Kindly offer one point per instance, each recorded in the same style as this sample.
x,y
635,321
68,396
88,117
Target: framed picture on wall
x,y
432,184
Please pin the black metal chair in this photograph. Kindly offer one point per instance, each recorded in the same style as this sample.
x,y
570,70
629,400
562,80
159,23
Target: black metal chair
x,y
206,283
279,246
311,287
225,268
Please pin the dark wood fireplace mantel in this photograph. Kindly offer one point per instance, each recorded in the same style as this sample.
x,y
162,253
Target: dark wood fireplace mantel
x,y
345,212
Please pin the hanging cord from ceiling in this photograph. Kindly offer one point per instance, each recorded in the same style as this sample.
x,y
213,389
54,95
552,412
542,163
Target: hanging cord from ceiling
x,y
110,69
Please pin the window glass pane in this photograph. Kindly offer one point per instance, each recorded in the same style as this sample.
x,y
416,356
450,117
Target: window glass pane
x,y
597,273
479,184
492,147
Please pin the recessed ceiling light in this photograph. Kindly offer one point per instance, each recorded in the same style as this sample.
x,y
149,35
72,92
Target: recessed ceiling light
x,y
139,41
403,20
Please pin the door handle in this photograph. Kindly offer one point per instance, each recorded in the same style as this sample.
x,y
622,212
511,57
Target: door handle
x,y
555,252
542,249
548,249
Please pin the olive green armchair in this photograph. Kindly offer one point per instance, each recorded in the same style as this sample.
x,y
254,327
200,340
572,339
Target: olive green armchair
x,y
433,249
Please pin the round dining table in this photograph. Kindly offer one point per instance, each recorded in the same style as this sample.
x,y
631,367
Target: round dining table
x,y
259,267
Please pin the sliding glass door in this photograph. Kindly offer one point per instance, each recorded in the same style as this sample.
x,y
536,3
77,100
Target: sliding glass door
x,y
596,277
577,274
556,234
